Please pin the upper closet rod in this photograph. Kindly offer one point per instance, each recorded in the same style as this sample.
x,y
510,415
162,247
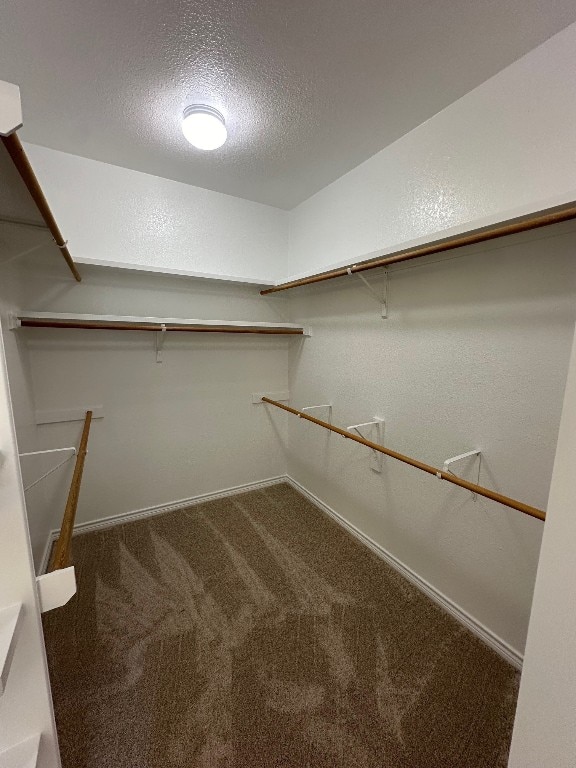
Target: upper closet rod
x,y
510,227
508,502
16,151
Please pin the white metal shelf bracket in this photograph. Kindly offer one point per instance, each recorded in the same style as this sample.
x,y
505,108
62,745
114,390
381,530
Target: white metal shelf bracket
x,y
160,338
382,298
50,450
326,406
373,431
71,451
461,457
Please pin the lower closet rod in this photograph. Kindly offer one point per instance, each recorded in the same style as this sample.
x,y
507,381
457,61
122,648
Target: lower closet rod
x,y
506,500
61,557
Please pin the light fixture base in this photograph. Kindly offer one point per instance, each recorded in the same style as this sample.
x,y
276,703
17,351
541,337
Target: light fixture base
x,y
203,109
204,127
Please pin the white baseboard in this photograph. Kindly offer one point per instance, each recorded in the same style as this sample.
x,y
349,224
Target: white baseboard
x,y
140,514
510,654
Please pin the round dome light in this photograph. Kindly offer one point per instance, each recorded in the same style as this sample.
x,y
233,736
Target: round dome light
x,y
204,127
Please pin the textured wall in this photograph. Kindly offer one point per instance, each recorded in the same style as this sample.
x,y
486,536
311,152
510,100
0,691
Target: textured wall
x,y
171,430
504,149
473,355
113,214
291,79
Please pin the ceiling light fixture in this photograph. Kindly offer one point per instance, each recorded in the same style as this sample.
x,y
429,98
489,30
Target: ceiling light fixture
x,y
204,127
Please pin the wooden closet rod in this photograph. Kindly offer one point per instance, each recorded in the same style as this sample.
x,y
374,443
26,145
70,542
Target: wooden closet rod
x,y
510,227
114,326
62,555
16,151
507,501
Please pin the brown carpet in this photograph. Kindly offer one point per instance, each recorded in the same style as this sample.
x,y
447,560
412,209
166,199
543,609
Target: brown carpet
x,y
254,632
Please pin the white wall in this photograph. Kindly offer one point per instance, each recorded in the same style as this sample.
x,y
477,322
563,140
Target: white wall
x,y
172,430
473,355
40,501
544,734
113,214
504,149
25,703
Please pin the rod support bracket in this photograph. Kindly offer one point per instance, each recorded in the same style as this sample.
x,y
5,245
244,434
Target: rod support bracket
x,y
382,298
373,431
13,321
160,337
468,455
325,406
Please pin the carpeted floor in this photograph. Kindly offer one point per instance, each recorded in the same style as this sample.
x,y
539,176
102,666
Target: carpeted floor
x,y
254,632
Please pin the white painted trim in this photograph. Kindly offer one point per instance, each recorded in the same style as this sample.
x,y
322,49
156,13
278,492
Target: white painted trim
x,y
497,644
141,514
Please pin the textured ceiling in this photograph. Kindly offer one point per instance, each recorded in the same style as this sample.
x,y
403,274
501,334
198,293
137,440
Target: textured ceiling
x,y
310,88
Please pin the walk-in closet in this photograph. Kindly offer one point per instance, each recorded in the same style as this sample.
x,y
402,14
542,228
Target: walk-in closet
x,y
287,384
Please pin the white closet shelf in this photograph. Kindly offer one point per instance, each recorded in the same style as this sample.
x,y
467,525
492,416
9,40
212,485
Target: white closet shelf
x,y
8,625
135,323
22,755
148,268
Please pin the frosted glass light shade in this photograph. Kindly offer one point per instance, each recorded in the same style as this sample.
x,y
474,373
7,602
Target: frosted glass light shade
x,y
204,127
